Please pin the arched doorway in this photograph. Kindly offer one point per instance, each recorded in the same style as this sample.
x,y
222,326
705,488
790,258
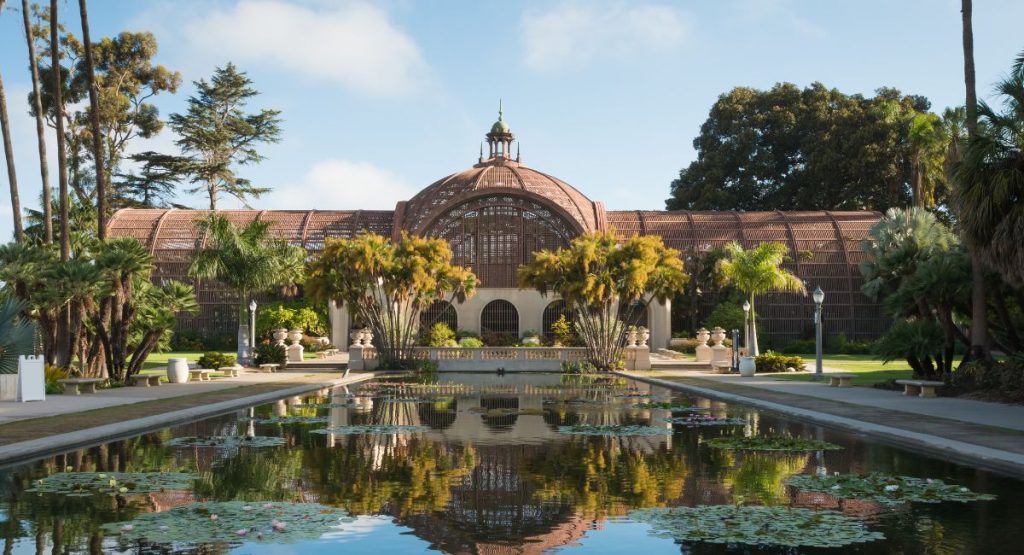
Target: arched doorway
x,y
439,312
554,311
499,323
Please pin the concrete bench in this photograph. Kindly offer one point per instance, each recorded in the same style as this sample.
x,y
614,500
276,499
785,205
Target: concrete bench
x,y
270,368
721,368
144,380
840,380
919,388
200,375
81,385
230,371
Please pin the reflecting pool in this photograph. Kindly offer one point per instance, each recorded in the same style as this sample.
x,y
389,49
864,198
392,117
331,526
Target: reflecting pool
x,y
476,463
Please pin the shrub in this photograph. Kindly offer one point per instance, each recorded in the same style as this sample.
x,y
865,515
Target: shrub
x,y
1004,377
687,345
838,344
466,333
727,315
215,359
51,374
471,343
270,353
440,335
495,339
293,315
561,330
798,347
187,341
578,367
771,362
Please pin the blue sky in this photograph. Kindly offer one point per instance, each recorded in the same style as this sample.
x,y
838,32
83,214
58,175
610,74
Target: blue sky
x,y
381,99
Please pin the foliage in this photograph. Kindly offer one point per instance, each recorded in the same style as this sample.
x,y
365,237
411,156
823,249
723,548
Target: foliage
x,y
112,483
215,134
608,285
612,430
270,353
758,271
561,330
1003,379
287,420
497,339
576,367
370,429
471,342
231,522
440,335
810,149
699,420
688,345
772,362
290,316
886,488
52,374
838,344
188,340
770,443
215,359
756,526
989,198
226,442
727,315
17,335
388,285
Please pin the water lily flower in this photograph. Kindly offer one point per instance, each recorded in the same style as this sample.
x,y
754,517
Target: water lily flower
x,y
259,535
123,490
247,508
241,532
964,490
892,487
835,486
164,528
103,475
67,469
213,517
268,506
113,483
127,528
277,525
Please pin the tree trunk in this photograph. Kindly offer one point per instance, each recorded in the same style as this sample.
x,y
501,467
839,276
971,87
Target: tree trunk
x,y
94,119
12,176
917,179
979,306
62,160
44,167
753,350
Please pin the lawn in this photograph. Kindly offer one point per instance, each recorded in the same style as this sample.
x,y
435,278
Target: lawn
x,y
158,361
870,370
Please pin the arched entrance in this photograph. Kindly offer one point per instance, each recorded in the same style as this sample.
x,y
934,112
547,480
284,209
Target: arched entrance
x,y
499,322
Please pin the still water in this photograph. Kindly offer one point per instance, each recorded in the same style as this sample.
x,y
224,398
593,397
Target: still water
x,y
477,464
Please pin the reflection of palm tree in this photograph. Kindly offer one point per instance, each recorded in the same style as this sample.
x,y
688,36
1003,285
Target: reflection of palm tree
x,y
760,477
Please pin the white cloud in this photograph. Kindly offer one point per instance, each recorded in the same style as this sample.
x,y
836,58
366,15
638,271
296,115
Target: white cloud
x,y
338,184
574,33
354,44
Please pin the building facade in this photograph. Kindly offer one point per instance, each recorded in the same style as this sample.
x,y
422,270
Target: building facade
x,y
496,214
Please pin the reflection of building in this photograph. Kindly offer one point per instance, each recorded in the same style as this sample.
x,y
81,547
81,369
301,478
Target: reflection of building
x,y
497,213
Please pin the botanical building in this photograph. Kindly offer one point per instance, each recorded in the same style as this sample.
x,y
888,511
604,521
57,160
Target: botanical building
x,y
498,212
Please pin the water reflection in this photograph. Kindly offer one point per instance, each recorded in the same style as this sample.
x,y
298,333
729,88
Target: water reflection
x,y
490,471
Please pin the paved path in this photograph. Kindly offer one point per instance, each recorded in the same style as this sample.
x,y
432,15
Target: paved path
x,y
989,435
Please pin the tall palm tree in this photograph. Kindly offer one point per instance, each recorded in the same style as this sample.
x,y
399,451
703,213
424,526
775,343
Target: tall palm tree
x,y
94,120
247,260
758,271
927,149
58,117
990,195
37,103
12,176
979,304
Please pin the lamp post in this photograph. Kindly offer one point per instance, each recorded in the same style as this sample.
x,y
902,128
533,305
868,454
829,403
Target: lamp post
x,y
746,326
252,331
819,297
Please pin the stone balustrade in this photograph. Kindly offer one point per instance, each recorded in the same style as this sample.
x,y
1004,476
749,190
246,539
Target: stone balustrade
x,y
511,359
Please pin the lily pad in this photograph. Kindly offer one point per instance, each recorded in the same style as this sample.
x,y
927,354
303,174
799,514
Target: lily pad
x,y
226,442
697,420
662,405
232,522
888,489
321,406
770,443
369,429
282,420
613,430
755,525
112,483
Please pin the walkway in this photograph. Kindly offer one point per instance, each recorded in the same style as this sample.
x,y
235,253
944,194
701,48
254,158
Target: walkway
x,y
980,433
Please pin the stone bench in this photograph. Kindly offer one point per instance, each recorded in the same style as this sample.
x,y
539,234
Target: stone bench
x,y
230,371
269,368
841,380
919,388
201,374
144,380
721,368
81,385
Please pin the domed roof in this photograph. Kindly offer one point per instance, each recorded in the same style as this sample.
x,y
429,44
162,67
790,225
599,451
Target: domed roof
x,y
500,126
502,176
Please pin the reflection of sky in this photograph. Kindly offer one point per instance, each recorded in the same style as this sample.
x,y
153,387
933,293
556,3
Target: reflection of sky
x,y
616,533
368,534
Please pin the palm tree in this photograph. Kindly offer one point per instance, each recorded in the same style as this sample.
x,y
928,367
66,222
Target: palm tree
x,y
123,262
758,271
58,117
979,305
12,177
94,119
927,149
16,335
990,195
248,261
156,317
37,103
74,286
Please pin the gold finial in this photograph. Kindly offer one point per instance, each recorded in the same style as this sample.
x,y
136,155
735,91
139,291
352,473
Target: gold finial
x,y
481,152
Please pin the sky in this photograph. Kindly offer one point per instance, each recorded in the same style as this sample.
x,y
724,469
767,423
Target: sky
x,y
381,99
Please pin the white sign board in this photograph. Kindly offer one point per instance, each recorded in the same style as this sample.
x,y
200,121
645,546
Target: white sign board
x,y
31,379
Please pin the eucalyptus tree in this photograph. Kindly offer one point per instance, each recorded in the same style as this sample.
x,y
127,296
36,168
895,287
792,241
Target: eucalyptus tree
x,y
36,102
388,285
758,271
609,285
215,134
247,260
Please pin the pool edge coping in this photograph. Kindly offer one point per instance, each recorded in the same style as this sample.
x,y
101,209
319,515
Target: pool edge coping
x,y
984,458
33,449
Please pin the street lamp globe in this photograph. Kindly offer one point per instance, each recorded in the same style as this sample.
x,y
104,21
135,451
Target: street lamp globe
x,y
746,306
252,305
818,295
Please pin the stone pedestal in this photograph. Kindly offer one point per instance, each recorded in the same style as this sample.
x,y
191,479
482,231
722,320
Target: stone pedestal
x,y
703,350
720,355
294,352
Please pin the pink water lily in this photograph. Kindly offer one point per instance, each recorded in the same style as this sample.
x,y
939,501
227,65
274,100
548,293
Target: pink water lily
x,y
241,532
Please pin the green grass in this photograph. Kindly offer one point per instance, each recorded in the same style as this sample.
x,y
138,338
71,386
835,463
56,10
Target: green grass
x,y
870,370
157,362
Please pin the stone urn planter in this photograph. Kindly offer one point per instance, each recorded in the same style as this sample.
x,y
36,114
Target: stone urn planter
x,y
295,336
279,335
718,336
747,367
703,335
177,370
631,337
644,335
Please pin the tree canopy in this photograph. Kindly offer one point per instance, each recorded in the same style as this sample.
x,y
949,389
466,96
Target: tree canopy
x,y
811,149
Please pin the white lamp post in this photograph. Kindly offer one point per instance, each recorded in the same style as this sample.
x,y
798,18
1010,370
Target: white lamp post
x,y
252,331
746,327
819,297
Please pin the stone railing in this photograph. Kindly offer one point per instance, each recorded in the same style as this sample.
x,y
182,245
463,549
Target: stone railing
x,y
489,359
